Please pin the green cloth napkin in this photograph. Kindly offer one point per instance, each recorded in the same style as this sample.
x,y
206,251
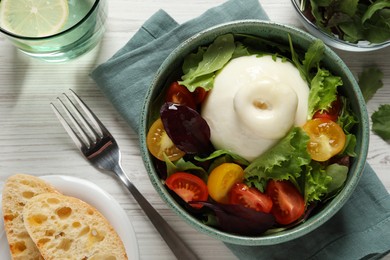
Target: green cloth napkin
x,y
360,230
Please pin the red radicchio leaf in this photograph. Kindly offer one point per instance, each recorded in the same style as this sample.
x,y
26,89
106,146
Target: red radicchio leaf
x,y
239,219
186,128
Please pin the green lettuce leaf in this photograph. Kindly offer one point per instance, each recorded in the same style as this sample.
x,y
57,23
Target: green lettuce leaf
x,y
323,91
347,120
313,57
381,121
184,166
374,7
200,72
322,182
339,174
235,158
284,161
316,182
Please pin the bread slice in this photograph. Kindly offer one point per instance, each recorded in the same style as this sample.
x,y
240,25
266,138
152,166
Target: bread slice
x,y
18,190
65,227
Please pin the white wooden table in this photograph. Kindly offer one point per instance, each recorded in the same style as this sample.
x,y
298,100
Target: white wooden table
x,y
33,142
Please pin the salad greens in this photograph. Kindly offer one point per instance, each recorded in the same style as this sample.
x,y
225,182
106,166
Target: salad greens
x,y
284,161
199,68
323,91
351,20
289,159
370,80
347,120
381,121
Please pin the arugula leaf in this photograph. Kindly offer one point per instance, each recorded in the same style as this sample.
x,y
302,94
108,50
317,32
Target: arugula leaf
x,y
374,7
313,57
381,121
236,158
184,166
201,74
284,161
323,91
347,120
370,80
296,61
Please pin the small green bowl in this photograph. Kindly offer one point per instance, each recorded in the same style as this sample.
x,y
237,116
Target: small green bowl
x,y
333,40
279,33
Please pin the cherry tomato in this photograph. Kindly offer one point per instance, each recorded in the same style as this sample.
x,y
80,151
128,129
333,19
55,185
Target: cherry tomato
x,y
221,180
179,94
288,203
241,194
332,113
188,186
327,138
199,95
158,143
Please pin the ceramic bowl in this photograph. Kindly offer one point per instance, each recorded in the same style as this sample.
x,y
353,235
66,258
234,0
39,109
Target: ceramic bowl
x,y
274,32
332,40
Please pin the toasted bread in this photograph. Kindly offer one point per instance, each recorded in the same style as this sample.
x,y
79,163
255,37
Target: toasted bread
x,y
65,227
18,190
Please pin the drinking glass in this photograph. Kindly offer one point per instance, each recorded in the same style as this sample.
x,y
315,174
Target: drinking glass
x,y
84,26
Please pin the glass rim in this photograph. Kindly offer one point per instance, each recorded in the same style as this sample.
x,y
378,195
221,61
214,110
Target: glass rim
x,y
20,37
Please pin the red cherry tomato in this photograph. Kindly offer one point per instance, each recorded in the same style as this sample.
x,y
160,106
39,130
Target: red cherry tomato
x,y
241,194
188,186
288,203
199,95
332,113
179,94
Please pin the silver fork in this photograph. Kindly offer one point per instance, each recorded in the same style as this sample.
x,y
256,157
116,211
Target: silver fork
x,y
101,150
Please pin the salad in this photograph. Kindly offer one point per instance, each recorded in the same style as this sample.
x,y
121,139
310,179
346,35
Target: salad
x,y
284,184
352,21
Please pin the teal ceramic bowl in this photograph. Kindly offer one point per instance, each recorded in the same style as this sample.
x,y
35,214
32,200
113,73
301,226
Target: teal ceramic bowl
x,y
278,33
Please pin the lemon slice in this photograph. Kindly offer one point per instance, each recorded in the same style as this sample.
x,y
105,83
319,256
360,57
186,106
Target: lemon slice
x,y
33,18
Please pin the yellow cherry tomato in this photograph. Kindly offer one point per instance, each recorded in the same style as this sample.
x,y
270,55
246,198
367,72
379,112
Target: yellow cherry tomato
x,y
222,179
327,138
158,143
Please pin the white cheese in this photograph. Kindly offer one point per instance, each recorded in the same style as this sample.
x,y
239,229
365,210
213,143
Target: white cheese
x,y
255,101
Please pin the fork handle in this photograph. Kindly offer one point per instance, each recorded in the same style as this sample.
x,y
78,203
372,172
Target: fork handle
x,y
175,243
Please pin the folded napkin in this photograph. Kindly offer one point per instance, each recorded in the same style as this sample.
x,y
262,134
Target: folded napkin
x,y
361,229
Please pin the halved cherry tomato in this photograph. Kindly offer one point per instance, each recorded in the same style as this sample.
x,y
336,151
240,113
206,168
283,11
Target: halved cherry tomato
x,y
158,143
199,95
188,186
179,94
241,194
221,180
332,113
288,203
327,138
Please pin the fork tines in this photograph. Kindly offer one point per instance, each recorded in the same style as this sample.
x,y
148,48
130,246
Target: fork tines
x,y
85,128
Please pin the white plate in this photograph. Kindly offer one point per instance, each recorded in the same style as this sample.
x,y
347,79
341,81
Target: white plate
x,y
94,195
